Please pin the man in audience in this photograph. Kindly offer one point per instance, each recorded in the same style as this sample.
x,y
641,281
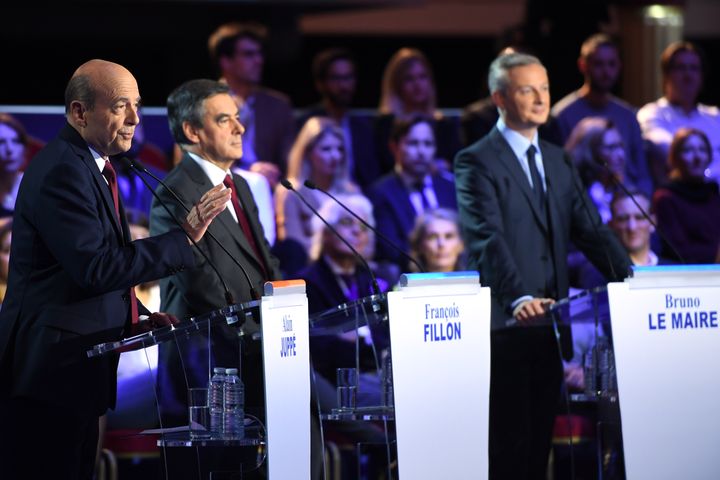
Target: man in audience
x,y
204,121
334,72
400,196
682,77
72,269
520,205
237,50
600,64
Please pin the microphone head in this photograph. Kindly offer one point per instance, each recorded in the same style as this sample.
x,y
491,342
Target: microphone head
x,y
125,162
309,184
132,163
286,183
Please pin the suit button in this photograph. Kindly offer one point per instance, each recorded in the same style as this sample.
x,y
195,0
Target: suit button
x,y
125,297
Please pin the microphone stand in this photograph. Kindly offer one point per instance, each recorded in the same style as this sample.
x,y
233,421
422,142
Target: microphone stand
x,y
309,184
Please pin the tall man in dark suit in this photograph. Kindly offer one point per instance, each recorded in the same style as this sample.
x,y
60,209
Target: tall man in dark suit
x,y
204,121
72,269
399,197
520,206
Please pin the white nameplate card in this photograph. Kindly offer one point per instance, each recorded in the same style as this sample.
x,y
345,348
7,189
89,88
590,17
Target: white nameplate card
x,y
284,311
666,334
440,337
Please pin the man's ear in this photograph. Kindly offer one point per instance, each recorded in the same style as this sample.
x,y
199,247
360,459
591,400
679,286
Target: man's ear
x,y
498,99
78,114
191,132
582,65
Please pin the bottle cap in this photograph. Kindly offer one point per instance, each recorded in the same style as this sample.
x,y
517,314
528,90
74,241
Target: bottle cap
x,y
231,371
218,370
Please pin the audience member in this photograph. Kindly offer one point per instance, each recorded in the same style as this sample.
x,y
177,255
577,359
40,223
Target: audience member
x,y
681,65
435,241
13,144
337,276
204,121
596,148
412,188
237,50
334,72
408,90
517,231
318,155
688,206
599,63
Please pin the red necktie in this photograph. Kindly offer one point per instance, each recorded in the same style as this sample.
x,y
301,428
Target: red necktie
x,y
243,221
109,174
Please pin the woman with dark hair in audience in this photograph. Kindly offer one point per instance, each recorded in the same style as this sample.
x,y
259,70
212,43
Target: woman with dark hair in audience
x,y
596,148
435,241
688,206
408,90
13,142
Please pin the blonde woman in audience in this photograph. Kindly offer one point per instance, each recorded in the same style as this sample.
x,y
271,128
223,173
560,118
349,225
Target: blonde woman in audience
x,y
435,241
408,90
318,155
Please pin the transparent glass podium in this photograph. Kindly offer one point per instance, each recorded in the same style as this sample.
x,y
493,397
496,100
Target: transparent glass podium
x,y
228,337
364,418
593,397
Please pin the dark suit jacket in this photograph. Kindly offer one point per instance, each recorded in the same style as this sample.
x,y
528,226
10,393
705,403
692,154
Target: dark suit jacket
x,y
395,215
71,267
199,290
274,127
506,234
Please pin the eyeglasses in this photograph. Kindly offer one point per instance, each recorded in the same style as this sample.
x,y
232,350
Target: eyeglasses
x,y
349,222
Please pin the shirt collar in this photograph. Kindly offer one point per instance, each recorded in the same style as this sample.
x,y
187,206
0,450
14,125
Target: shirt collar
x,y
99,159
518,143
214,173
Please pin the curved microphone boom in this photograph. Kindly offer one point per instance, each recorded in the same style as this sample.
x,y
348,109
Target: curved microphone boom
x,y
286,183
629,194
309,184
583,198
138,167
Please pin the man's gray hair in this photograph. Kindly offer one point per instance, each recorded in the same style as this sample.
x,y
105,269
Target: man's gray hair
x,y
498,75
186,104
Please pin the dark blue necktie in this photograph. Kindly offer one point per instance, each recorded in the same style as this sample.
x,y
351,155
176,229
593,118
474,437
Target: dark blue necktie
x,y
537,185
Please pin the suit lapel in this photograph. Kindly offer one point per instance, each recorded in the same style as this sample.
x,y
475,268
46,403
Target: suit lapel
x,y
510,162
83,151
401,202
225,219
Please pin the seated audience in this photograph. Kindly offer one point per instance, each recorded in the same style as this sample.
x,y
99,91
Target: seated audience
x,y
682,77
334,73
411,189
596,147
408,90
5,240
688,206
435,241
318,155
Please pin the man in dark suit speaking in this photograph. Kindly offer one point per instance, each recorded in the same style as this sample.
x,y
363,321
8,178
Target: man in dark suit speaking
x,y
72,269
203,118
520,207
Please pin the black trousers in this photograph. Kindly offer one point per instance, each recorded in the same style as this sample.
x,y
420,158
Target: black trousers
x,y
44,441
525,379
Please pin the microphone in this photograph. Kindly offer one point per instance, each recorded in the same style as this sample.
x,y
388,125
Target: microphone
x,y
286,183
138,167
228,296
581,191
647,217
309,184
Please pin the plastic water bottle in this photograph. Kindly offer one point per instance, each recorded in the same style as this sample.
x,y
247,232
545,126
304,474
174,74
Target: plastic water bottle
x,y
602,354
216,394
234,411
